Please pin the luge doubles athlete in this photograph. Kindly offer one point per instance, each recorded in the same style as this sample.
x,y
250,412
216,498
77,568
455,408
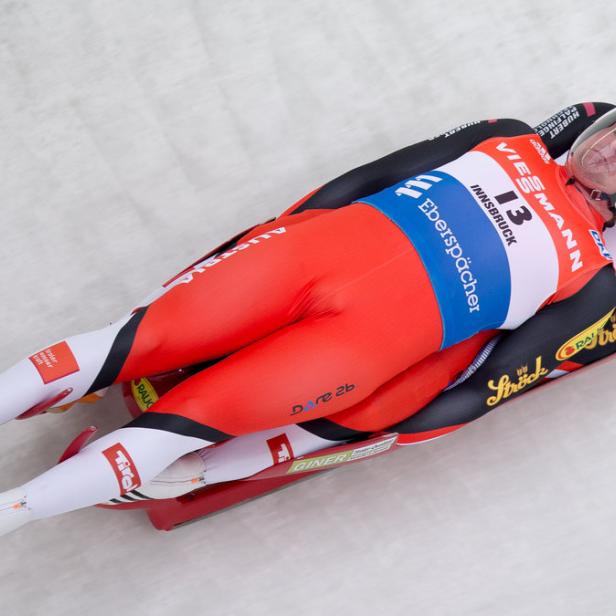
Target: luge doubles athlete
x,y
383,283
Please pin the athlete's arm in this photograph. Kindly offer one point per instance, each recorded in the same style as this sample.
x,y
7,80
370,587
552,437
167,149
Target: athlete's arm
x,y
376,175
521,360
560,130
399,165
557,132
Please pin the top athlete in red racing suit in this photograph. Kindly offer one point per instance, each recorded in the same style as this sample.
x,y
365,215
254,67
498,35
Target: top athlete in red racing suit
x,y
569,335
509,365
310,314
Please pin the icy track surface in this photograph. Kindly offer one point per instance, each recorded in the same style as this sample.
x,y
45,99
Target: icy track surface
x,y
135,136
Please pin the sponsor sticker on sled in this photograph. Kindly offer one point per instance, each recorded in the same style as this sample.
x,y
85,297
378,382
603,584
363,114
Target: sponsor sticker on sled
x,y
55,362
350,455
583,339
124,468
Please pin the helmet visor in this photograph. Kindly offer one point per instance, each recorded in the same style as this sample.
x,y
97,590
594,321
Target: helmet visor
x,y
592,157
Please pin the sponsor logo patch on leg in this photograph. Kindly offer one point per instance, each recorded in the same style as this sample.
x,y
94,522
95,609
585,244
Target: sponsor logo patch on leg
x,y
55,362
123,466
280,448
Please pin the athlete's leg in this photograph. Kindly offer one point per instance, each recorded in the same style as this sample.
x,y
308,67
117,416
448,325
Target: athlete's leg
x,y
101,471
406,393
243,456
236,458
255,388
368,313
220,304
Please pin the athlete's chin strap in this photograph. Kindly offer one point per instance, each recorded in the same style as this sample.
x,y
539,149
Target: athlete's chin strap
x,y
598,195
612,207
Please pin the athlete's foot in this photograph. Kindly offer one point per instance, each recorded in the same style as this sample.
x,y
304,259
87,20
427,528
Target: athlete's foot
x,y
14,512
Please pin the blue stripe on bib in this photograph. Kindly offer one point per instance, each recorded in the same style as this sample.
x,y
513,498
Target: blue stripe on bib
x,y
461,250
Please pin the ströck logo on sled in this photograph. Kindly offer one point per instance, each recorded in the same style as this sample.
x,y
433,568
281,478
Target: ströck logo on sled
x,y
123,466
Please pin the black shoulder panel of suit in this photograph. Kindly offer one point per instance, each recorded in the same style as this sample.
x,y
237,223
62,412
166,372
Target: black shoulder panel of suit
x,y
522,358
560,130
414,159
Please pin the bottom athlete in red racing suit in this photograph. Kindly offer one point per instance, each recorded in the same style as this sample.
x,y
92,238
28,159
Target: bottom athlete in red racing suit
x,y
361,292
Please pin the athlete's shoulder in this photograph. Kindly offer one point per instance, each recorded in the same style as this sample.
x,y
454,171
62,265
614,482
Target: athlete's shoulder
x,y
481,130
402,164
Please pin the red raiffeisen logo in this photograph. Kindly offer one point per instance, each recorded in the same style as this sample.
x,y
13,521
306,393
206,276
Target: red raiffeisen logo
x,y
124,468
583,339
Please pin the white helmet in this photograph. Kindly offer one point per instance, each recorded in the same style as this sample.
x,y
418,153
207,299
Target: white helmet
x,y
592,162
